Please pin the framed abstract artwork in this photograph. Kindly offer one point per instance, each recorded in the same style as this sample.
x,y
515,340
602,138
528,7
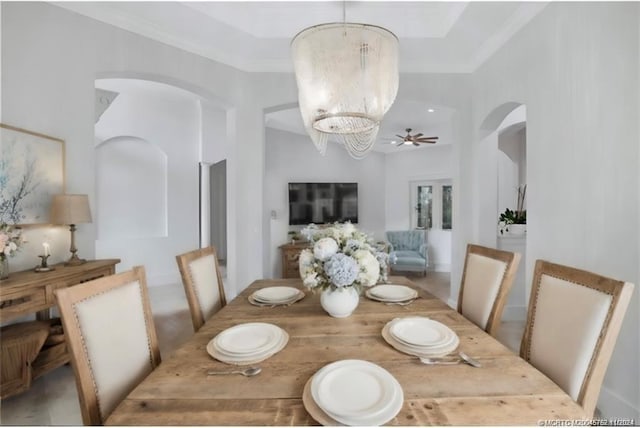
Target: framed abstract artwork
x,y
31,172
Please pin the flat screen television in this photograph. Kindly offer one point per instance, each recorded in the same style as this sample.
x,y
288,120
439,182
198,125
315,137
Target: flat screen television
x,y
323,203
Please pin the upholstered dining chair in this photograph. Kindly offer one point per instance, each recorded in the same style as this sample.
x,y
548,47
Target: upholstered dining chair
x,y
112,339
202,284
572,325
486,281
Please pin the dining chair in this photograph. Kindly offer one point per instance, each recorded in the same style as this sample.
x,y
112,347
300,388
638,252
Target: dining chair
x,y
486,281
110,333
202,284
572,325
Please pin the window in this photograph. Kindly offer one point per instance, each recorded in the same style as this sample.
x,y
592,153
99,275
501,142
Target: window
x,y
431,203
447,207
424,207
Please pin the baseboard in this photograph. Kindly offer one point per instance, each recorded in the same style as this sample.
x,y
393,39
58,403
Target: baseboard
x,y
612,406
453,303
514,313
166,279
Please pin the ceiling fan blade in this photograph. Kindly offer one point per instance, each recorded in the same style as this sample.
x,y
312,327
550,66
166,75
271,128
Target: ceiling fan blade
x,y
429,138
417,135
400,136
415,144
425,140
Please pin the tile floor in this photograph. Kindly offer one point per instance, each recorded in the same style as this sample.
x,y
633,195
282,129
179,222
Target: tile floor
x,y
52,399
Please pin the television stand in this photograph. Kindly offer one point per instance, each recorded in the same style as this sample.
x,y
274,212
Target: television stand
x,y
290,256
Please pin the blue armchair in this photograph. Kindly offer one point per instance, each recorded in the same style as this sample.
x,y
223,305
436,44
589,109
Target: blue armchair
x,y
408,251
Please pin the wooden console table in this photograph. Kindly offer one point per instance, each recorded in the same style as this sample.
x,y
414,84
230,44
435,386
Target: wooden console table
x,y
28,292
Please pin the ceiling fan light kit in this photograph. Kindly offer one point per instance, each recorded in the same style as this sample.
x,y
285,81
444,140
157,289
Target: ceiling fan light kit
x,y
416,139
347,76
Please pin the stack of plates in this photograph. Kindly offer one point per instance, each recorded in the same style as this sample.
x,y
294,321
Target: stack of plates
x,y
275,296
390,293
353,392
420,336
247,343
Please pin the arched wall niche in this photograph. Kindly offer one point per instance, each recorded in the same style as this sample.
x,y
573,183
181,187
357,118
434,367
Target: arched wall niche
x,y
131,172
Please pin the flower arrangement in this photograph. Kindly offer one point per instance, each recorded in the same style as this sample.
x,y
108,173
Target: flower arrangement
x,y
519,216
9,240
342,256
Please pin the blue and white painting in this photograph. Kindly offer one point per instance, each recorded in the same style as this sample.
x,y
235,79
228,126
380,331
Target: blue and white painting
x,y
31,172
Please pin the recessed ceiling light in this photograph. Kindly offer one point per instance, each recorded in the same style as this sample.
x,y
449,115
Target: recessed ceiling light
x,y
430,110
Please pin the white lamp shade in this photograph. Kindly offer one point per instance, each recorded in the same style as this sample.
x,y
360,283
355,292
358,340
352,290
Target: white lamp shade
x,y
70,209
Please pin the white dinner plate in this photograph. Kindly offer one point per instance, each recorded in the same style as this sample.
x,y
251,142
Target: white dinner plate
x,y
441,347
248,339
427,351
357,392
421,332
240,359
392,293
276,294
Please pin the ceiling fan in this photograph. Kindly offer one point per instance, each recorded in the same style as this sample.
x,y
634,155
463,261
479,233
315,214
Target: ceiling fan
x,y
416,139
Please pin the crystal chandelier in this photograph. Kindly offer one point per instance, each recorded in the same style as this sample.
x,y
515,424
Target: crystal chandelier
x,y
347,77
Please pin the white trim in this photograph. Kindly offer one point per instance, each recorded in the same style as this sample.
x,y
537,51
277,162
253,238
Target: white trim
x,y
453,303
612,406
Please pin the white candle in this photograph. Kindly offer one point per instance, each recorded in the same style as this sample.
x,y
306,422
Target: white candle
x,y
46,248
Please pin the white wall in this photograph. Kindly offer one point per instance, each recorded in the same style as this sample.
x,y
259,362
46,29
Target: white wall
x,y
50,60
293,158
213,193
512,167
126,169
575,66
428,163
170,123
214,133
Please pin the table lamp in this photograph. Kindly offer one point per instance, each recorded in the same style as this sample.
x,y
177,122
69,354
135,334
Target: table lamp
x,y
71,210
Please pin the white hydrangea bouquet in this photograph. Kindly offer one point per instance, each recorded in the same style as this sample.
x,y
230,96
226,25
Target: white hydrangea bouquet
x,y
341,256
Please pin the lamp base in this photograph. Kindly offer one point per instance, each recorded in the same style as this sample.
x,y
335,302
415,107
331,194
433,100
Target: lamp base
x,y
75,261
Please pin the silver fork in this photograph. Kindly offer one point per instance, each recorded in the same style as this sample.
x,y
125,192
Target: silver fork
x,y
464,359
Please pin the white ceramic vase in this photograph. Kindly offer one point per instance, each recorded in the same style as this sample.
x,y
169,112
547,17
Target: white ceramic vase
x,y
517,229
340,303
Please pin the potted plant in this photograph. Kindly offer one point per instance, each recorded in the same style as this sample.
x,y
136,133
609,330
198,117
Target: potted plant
x,y
293,236
515,222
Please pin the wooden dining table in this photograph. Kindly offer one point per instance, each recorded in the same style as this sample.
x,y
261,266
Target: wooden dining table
x,y
506,390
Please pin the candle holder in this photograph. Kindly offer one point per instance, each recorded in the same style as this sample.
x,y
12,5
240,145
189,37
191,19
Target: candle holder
x,y
44,267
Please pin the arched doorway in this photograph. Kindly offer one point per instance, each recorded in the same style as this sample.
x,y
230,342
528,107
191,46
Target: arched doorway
x,y
153,142
500,174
